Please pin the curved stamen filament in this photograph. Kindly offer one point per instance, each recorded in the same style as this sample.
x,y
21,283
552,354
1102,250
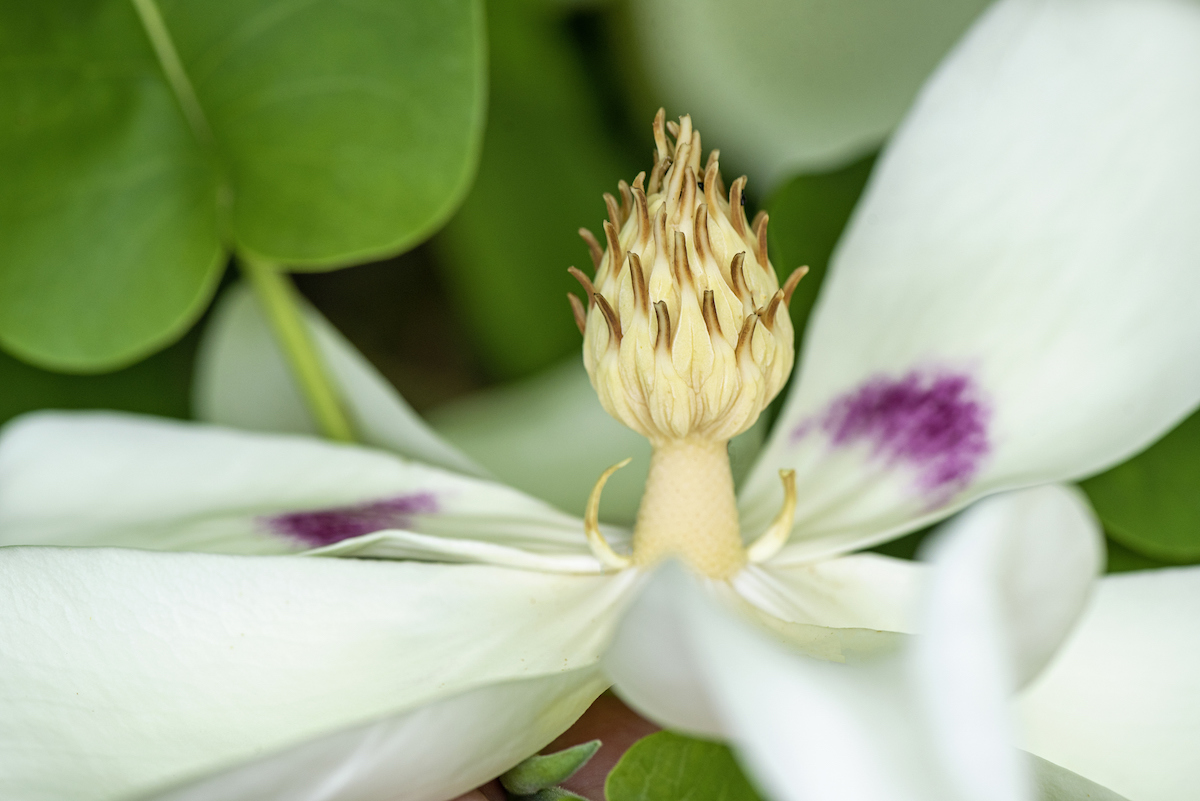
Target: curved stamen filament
x,y
591,524
776,536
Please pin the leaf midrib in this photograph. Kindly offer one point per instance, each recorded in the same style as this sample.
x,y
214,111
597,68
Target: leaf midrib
x,y
172,67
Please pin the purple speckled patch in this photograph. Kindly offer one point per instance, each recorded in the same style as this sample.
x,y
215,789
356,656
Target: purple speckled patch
x,y
326,526
934,421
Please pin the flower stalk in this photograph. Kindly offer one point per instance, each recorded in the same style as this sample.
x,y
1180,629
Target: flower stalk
x,y
279,302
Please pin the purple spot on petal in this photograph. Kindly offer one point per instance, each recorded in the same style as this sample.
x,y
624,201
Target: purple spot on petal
x,y
934,421
326,526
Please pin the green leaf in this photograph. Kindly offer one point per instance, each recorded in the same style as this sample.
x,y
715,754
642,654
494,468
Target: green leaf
x,y
1120,559
670,767
140,141
547,158
1151,503
542,772
554,794
808,215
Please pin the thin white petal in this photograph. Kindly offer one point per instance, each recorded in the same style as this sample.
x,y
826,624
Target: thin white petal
x,y
1010,578
807,728
127,670
550,437
1014,301
243,381
865,591
1022,563
789,85
1120,704
430,754
114,479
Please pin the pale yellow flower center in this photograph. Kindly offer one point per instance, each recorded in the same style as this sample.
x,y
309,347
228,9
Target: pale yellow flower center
x,y
686,340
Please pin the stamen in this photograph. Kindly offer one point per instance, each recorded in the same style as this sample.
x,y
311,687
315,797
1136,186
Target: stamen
x,y
745,334
708,309
660,139
591,524
760,231
775,537
789,286
578,312
643,214
736,214
614,211
737,278
683,271
663,337
610,317
687,195
588,288
640,181
626,200
700,235
641,296
768,314
616,259
594,248
712,177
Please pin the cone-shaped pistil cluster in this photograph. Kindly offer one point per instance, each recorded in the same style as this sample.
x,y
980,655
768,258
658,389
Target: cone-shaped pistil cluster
x,y
686,331
686,339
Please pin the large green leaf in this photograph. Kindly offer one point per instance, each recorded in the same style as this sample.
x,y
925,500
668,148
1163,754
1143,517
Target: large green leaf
x,y
547,157
1151,503
808,214
139,142
670,767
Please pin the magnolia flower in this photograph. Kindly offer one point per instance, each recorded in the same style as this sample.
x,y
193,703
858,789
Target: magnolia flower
x,y
1010,307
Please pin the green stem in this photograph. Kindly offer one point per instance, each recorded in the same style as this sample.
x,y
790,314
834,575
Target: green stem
x,y
278,298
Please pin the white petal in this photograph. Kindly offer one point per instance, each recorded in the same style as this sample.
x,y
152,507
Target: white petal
x,y
865,590
1120,704
113,479
1014,301
431,754
654,664
127,670
549,436
789,85
807,728
1010,578
1022,563
243,381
